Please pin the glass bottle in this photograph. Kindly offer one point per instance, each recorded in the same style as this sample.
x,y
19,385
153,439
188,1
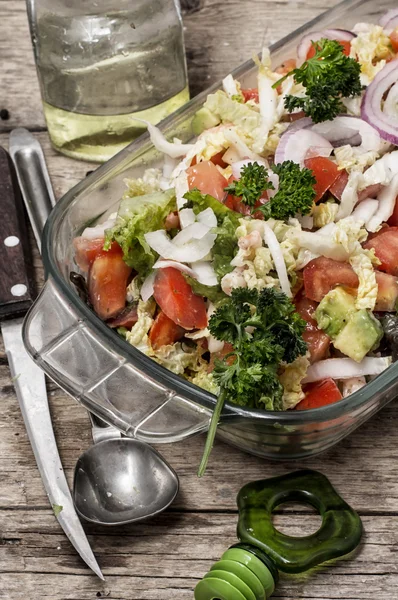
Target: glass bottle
x,y
103,63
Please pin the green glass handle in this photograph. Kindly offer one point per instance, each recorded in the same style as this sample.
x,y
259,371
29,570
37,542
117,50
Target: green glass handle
x,y
338,535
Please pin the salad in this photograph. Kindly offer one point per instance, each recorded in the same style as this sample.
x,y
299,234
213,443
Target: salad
x,y
261,262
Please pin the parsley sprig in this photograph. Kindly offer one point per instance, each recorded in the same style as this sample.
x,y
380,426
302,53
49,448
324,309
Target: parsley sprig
x,y
264,330
295,190
252,183
327,77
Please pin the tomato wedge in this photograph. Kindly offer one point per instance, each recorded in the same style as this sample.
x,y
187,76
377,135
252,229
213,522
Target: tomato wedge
x,y
207,178
87,250
325,172
107,282
323,274
338,187
346,49
386,249
317,341
319,393
164,332
176,299
250,94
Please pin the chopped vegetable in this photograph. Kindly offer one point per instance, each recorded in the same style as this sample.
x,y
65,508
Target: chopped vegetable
x,y
320,393
175,297
164,332
327,77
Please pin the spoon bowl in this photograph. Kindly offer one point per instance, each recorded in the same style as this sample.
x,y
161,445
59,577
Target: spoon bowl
x,y
122,480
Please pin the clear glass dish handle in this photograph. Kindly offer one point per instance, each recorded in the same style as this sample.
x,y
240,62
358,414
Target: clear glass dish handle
x,y
102,380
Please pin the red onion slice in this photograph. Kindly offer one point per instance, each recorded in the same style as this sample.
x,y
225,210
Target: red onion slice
x,y
346,130
297,144
390,19
371,109
341,35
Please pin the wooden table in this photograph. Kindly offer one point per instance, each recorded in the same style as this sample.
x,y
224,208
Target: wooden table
x,y
164,558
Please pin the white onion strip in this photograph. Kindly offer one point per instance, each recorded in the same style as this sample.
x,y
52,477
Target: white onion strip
x,y
386,199
165,264
147,286
190,252
345,368
277,256
365,210
196,231
204,273
208,218
349,197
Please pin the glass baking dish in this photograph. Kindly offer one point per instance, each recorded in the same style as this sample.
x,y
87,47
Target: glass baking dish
x,y
123,386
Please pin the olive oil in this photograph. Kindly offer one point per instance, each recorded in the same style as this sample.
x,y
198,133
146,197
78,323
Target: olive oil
x,y
98,137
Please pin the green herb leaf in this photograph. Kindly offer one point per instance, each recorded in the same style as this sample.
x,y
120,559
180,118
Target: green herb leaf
x,y
328,76
263,330
295,192
251,185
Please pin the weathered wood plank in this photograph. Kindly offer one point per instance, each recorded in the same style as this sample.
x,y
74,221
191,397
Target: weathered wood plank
x,y
218,37
167,559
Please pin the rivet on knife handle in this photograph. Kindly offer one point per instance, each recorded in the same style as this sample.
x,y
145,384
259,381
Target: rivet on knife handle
x,y
17,288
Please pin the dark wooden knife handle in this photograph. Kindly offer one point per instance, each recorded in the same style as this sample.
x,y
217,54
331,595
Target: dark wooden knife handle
x,y
17,288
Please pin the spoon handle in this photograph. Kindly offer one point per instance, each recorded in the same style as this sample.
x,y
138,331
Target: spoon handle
x,y
101,431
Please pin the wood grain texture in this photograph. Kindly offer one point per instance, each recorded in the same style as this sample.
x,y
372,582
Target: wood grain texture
x,y
164,558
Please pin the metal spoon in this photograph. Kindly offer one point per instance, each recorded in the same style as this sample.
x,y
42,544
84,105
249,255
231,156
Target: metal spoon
x,y
121,480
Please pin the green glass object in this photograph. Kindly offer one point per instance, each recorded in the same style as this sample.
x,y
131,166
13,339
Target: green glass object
x,y
249,570
339,533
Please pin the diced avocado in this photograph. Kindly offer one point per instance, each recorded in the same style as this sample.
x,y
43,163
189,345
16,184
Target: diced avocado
x,y
203,119
334,311
362,333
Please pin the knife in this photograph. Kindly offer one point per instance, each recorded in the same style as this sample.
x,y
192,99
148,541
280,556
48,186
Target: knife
x,y
17,292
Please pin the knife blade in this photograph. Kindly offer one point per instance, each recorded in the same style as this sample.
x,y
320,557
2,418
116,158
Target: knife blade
x,y
17,291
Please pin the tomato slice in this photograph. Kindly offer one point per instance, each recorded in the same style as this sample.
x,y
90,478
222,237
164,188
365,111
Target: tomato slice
x,y
323,274
319,393
164,332
386,249
207,178
250,94
337,188
346,49
394,39
325,172
107,282
175,297
217,159
317,341
87,250
387,292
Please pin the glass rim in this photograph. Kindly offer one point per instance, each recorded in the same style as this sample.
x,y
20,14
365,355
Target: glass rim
x,y
148,366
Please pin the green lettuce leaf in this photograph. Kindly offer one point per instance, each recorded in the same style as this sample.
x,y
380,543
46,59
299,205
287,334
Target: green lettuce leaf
x,y
213,292
137,216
